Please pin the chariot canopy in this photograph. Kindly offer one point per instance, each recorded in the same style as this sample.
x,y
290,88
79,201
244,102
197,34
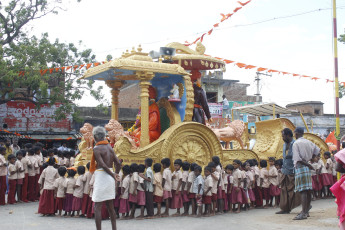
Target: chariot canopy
x,y
266,109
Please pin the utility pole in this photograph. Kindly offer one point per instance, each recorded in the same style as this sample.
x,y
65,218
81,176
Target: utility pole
x,y
336,81
257,79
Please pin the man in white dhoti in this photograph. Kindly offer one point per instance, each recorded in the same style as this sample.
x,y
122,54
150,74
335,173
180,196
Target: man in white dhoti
x,y
102,162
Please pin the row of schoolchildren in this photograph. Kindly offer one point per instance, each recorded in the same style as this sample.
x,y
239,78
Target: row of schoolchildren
x,y
23,171
323,175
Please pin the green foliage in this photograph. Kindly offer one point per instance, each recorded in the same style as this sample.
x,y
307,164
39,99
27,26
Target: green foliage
x,y
22,57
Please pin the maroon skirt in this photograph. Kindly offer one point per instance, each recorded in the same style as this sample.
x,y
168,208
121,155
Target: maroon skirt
x,y
124,206
167,194
326,179
317,185
68,202
176,200
214,197
219,193
191,196
85,204
46,203
185,197
251,195
274,190
141,200
77,203
133,198
266,193
157,199
59,203
236,196
207,199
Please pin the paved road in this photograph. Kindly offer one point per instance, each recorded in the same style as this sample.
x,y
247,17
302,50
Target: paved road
x,y
323,216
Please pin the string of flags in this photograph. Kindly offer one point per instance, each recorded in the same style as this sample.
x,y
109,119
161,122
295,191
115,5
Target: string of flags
x,y
224,17
268,70
28,137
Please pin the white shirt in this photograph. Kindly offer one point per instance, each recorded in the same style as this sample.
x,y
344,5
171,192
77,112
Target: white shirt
x,y
303,150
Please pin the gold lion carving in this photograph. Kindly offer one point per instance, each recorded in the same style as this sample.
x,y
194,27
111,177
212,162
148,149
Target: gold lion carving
x,y
86,130
233,131
115,132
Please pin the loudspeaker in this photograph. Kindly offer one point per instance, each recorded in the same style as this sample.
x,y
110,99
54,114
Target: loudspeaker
x,y
154,54
165,51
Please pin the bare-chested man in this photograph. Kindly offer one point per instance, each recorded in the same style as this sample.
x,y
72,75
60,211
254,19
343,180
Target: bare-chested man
x,y
104,186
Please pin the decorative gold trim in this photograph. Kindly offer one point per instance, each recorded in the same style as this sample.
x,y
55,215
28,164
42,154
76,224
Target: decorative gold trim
x,y
172,112
190,98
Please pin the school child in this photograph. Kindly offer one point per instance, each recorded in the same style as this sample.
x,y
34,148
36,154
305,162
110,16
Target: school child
x,y
190,181
45,156
237,198
207,193
244,188
215,177
220,184
176,187
317,186
133,188
60,190
250,182
12,179
279,164
324,178
32,175
72,158
166,184
273,182
39,159
229,170
90,204
185,199
26,164
141,192
21,175
118,193
264,183
124,203
329,167
86,198
198,185
257,189
3,174
158,189
148,181
49,175
69,186
78,191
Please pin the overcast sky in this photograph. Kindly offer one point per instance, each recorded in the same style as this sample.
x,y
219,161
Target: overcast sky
x,y
297,44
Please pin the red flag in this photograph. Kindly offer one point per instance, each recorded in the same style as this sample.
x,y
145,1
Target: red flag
x,y
285,73
51,70
63,69
273,71
295,75
315,78
210,32
223,18
228,16
44,72
96,64
237,9
304,76
202,37
57,69
243,4
81,66
331,139
250,66
241,65
228,61
75,67
216,25
88,65
68,67
328,80
261,69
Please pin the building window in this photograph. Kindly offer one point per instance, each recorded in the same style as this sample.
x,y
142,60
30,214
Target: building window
x,y
317,111
212,97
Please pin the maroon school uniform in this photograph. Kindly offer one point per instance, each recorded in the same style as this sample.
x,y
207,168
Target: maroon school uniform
x,y
47,202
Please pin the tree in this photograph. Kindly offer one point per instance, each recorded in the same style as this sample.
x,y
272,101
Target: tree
x,y
23,58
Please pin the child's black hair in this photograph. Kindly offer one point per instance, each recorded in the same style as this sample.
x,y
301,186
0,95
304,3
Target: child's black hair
x,y
212,164
81,170
272,159
36,148
21,152
185,166
251,163
88,165
198,168
238,162
50,151
71,153
279,162
244,164
255,162
216,160
51,161
2,149
10,157
134,167
263,163
157,167
65,154
230,167
28,145
148,162
207,168
62,171
178,162
166,162
192,166
71,172
126,170
141,168
327,154
31,152
45,165
44,153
